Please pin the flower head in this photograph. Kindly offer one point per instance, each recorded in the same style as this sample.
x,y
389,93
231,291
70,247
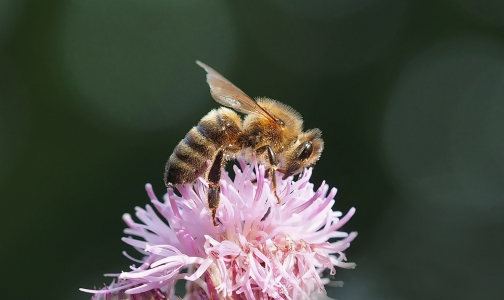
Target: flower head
x,y
260,250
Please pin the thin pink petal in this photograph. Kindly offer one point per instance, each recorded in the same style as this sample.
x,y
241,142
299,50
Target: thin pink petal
x,y
200,271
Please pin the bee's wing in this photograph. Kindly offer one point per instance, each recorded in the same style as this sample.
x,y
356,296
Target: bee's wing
x,y
227,94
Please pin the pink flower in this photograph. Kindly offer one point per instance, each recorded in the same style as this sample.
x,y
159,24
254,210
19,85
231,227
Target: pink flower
x,y
260,250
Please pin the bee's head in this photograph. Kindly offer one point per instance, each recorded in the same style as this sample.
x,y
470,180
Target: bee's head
x,y
304,153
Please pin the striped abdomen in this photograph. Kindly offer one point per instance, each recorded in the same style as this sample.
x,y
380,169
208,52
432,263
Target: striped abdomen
x,y
219,128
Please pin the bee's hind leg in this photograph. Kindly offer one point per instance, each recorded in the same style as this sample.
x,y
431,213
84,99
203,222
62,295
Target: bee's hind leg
x,y
213,178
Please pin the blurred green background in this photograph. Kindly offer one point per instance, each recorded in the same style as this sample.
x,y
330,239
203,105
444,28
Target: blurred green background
x,y
95,94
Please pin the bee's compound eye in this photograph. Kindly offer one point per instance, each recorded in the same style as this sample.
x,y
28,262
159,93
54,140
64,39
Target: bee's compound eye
x,y
305,151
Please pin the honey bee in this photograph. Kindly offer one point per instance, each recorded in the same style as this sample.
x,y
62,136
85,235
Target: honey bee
x,y
271,130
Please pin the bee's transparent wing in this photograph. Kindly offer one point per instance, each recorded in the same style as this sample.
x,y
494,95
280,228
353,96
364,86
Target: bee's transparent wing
x,y
227,94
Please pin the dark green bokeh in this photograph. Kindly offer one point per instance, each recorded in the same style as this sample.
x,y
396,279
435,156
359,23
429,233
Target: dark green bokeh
x,y
94,96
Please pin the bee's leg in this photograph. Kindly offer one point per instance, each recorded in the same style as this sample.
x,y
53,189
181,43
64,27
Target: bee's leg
x,y
272,170
213,178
